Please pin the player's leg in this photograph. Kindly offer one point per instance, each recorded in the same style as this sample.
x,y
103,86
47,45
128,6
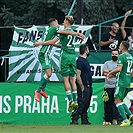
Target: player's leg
x,y
117,119
46,66
119,95
74,88
72,72
77,112
43,82
119,105
65,69
68,92
67,87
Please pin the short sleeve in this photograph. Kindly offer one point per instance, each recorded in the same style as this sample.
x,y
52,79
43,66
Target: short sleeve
x,y
79,64
105,37
51,33
105,66
120,60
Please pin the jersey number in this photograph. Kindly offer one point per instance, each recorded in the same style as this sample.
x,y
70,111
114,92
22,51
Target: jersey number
x,y
129,65
70,39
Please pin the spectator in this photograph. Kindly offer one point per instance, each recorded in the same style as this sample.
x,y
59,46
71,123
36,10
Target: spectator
x,y
110,111
112,40
130,38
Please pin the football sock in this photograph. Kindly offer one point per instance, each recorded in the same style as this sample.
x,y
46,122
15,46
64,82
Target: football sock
x,y
69,95
43,83
74,93
121,111
127,109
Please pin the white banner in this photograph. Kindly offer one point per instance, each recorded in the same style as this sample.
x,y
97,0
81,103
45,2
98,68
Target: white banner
x,y
23,61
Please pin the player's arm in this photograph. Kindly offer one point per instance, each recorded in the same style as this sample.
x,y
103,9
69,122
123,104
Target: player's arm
x,y
113,72
46,43
79,80
57,45
79,35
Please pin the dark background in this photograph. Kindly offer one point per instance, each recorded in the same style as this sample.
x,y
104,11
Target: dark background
x,y
25,13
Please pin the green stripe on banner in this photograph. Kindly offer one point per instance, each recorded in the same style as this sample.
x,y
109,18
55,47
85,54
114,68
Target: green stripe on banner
x,y
19,107
13,65
74,27
88,32
18,53
21,70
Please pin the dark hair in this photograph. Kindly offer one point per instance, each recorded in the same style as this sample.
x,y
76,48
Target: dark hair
x,y
82,49
125,44
51,20
115,50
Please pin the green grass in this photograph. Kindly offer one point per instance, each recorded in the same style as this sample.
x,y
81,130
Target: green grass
x,y
8,128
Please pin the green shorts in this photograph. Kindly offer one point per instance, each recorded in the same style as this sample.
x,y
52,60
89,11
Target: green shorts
x,y
121,92
44,60
68,65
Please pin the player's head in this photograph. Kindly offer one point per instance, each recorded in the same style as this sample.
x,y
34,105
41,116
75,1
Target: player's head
x,y
84,50
115,54
124,46
53,22
68,21
115,27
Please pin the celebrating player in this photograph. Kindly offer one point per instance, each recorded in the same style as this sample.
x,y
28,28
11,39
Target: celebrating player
x,y
68,62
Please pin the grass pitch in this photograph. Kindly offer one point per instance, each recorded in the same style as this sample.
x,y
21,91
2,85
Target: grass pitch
x,y
8,128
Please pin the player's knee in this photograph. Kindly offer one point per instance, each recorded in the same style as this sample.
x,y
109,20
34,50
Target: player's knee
x,y
72,80
117,100
49,75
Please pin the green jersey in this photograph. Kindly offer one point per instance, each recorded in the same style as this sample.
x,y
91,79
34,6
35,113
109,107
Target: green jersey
x,y
67,42
49,35
124,77
68,55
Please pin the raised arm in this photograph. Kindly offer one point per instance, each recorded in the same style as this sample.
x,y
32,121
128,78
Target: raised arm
x,y
124,34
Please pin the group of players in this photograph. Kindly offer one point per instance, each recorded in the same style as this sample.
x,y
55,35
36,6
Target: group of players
x,y
68,66
68,58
